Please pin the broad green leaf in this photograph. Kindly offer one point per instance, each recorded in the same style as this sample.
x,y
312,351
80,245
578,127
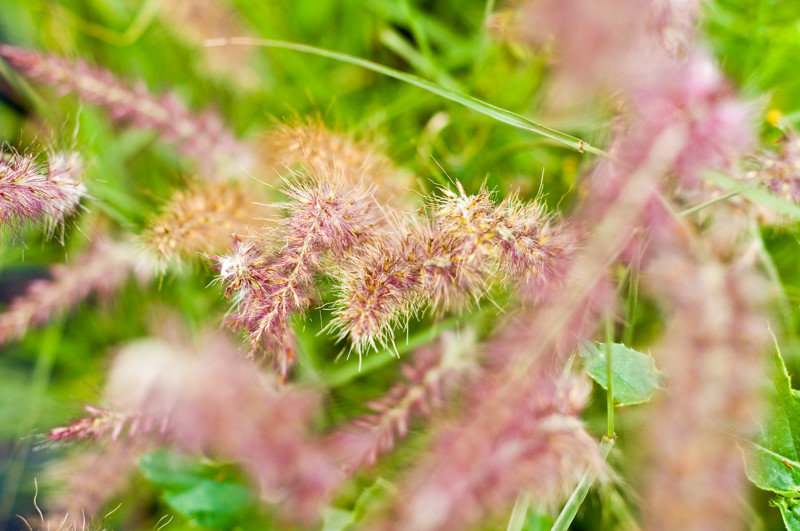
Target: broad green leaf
x,y
772,463
169,470
634,374
783,431
334,519
771,471
210,495
210,503
790,511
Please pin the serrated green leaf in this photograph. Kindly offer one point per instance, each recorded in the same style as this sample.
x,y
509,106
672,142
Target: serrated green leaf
x,y
783,431
790,511
210,495
771,471
210,503
772,463
634,374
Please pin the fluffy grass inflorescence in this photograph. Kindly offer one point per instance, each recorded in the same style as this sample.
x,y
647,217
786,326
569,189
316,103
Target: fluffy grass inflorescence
x,y
204,218
272,280
33,191
100,270
202,137
489,411
311,145
470,243
431,380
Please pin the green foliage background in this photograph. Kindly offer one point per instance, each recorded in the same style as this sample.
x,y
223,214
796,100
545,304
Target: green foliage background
x,y
45,378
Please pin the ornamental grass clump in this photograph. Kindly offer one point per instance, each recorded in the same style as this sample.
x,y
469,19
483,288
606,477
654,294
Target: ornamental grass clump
x,y
510,300
469,243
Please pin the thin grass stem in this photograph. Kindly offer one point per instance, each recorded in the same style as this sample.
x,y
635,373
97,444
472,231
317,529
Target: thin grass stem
x,y
487,109
567,514
609,376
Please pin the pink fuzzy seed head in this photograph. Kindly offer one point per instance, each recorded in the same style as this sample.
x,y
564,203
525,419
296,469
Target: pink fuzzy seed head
x,y
377,292
45,193
201,137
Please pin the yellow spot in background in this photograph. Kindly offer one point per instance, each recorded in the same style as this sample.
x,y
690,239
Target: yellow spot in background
x,y
773,117
569,170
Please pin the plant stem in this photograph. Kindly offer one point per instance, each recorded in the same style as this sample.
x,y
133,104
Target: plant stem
x,y
633,302
519,512
575,500
609,379
714,201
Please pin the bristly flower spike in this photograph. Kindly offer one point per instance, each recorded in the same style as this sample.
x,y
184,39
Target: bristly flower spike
x,y
203,220
201,137
47,193
430,379
326,218
101,269
379,286
99,423
469,241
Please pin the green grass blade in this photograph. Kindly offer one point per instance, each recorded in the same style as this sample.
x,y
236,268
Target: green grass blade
x,y
487,109
758,194
569,511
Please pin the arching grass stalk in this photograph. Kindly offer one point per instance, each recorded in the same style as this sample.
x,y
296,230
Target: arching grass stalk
x,y
567,514
499,114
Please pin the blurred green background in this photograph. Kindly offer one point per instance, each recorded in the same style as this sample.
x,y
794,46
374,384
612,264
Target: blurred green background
x,y
47,377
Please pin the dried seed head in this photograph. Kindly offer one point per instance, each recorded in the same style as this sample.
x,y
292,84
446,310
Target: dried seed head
x,y
314,147
204,218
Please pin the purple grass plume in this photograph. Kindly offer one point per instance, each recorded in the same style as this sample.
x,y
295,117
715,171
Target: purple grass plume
x,y
429,384
326,218
527,436
100,270
210,400
470,243
201,137
41,192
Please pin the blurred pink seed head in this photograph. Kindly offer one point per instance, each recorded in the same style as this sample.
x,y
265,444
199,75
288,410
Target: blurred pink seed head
x,y
211,400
